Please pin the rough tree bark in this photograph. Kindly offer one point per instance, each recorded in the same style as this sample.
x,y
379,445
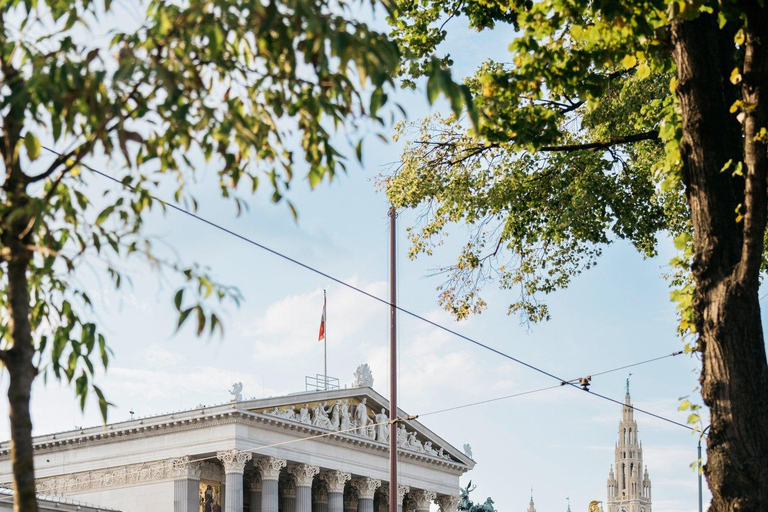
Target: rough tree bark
x,y
727,251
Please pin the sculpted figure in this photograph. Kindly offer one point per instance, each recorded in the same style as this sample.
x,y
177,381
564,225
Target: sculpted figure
x,y
289,413
414,444
361,416
363,376
428,448
335,415
304,415
382,428
346,417
236,392
321,416
402,436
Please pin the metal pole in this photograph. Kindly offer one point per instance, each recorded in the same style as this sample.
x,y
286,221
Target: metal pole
x,y
325,342
699,472
392,362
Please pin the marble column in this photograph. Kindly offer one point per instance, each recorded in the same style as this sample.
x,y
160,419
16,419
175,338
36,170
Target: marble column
x,y
287,494
186,485
303,474
422,499
269,467
335,480
234,467
253,481
366,489
448,503
319,496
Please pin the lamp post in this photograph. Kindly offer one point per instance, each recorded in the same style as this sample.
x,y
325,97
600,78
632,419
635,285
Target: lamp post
x,y
699,466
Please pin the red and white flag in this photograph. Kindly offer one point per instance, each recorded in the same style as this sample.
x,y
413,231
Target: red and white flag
x,y
321,337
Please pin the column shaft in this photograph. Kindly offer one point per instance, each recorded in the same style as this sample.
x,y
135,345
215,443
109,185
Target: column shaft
x,y
303,499
233,500
269,496
365,505
185,495
335,502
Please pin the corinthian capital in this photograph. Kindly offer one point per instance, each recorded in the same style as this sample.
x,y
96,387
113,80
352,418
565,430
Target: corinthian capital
x,y
234,460
335,480
366,487
421,498
253,481
303,474
448,503
402,490
183,467
270,467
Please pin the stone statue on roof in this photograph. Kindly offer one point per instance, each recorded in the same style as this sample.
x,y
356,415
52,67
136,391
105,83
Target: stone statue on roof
x,y
363,377
236,392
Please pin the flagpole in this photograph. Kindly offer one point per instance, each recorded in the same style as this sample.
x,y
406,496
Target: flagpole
x,y
325,343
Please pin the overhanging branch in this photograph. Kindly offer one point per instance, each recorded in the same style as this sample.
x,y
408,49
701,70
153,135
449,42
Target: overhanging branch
x,y
614,141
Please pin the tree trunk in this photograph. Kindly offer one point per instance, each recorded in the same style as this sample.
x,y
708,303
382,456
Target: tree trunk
x,y
18,358
727,255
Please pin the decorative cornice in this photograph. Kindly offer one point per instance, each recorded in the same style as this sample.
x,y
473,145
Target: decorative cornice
x,y
421,498
158,471
335,480
197,418
448,503
234,461
270,467
366,487
303,474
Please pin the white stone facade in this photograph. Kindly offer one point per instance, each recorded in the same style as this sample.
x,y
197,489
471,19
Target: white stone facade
x,y
242,456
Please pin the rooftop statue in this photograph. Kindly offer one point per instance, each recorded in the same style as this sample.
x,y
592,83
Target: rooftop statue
x,y
237,392
363,377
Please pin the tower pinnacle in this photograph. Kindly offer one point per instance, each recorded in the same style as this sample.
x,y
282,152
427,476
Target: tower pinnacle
x,y
629,487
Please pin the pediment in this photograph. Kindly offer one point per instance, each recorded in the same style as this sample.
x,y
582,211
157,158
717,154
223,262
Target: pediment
x,y
358,412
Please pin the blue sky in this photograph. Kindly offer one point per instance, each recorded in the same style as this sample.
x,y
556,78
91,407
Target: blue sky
x,y
559,442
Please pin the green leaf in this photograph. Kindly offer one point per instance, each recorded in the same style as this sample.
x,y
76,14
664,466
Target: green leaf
x,y
32,145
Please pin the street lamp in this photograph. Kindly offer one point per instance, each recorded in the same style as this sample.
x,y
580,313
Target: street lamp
x,y
699,465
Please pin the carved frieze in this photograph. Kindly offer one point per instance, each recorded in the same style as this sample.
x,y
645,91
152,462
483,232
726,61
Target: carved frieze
x,y
358,418
157,471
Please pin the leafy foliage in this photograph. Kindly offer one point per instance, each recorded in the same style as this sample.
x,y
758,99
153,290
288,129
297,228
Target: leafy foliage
x,y
257,89
576,144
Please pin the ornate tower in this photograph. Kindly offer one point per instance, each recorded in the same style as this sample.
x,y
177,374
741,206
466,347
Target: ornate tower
x,y
531,508
629,488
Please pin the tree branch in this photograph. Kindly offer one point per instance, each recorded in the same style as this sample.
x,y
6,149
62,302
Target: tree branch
x,y
614,141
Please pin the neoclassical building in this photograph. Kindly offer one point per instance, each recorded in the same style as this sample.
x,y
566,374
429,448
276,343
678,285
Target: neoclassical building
x,y
629,488
324,451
